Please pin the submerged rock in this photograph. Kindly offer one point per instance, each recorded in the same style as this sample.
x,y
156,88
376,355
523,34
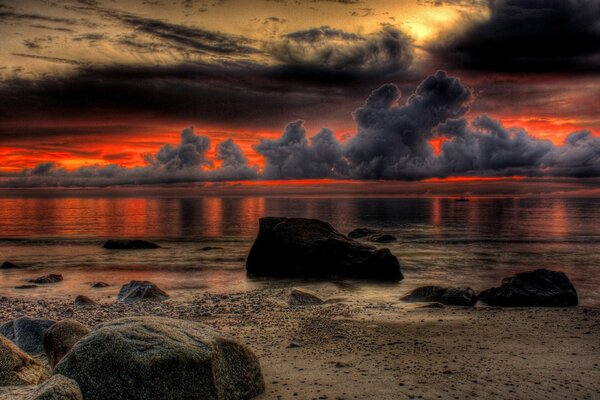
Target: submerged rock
x,y
299,247
27,333
58,387
135,291
82,301
61,337
50,278
449,296
143,358
125,244
371,235
8,265
17,367
539,288
301,297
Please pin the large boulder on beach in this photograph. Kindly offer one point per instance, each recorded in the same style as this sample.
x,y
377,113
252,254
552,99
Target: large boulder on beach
x,y
302,297
17,367
299,247
539,288
50,278
142,358
58,387
125,244
27,333
61,337
452,296
135,291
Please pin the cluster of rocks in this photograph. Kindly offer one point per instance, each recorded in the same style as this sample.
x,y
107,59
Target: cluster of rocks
x,y
128,358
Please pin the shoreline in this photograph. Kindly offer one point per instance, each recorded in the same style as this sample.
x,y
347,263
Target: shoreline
x,y
356,348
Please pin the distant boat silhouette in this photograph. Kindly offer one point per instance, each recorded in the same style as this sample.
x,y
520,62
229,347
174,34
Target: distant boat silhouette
x,y
462,198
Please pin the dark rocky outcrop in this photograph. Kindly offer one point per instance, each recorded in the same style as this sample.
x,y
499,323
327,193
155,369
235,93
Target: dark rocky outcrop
x,y
97,285
8,265
449,296
58,387
50,278
135,291
27,333
299,247
125,244
143,358
301,297
539,288
82,301
61,337
371,235
17,367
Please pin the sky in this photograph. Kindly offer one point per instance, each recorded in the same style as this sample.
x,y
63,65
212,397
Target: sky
x,y
103,93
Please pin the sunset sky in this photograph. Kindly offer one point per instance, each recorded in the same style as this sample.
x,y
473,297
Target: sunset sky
x,y
97,93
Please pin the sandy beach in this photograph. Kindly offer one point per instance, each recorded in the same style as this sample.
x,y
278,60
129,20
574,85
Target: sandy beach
x,y
356,348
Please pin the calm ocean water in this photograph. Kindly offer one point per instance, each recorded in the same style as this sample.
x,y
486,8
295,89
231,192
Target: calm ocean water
x,y
440,240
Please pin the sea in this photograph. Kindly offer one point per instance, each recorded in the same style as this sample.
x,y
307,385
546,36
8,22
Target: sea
x,y
443,241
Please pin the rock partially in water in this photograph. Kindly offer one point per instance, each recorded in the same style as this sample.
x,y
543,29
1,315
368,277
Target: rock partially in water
x,y
61,337
360,233
143,358
97,285
8,265
299,247
135,291
449,296
27,333
539,288
209,248
50,278
26,286
58,387
82,301
371,235
17,367
301,297
125,244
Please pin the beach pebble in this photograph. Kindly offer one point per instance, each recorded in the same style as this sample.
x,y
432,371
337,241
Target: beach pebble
x,y
302,297
82,301
136,291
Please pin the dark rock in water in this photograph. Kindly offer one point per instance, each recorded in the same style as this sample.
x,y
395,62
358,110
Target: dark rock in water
x,y
208,248
539,288
371,235
26,286
61,337
125,244
27,333
99,285
443,295
299,247
17,367
360,233
58,387
136,291
301,297
8,265
84,301
51,278
143,358
383,238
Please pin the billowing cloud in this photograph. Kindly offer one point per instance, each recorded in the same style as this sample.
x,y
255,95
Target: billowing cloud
x,y
392,142
528,36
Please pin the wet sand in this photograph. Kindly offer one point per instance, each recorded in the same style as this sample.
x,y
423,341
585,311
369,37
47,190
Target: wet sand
x,y
354,348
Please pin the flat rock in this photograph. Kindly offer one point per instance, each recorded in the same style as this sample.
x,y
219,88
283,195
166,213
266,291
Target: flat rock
x,y
50,278
539,288
301,297
82,301
445,295
58,387
141,358
125,244
135,291
8,265
299,247
61,337
17,367
27,333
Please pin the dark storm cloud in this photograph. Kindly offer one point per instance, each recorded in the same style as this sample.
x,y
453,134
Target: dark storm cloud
x,y
327,51
528,36
58,60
